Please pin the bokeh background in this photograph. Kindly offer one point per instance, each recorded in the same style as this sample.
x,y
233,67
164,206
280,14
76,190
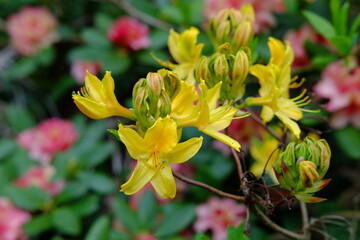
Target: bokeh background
x,y
60,171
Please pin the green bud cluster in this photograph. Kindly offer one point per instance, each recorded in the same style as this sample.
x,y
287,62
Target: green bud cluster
x,y
223,66
152,96
233,26
302,166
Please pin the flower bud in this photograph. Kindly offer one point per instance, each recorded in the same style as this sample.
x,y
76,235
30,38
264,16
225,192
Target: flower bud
x,y
301,167
165,105
172,83
240,70
155,83
202,69
141,107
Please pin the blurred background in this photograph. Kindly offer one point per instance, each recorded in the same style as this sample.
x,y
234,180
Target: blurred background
x,y
60,171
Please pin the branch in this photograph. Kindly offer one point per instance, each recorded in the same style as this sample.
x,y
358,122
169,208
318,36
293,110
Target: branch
x,y
267,128
305,218
140,15
210,188
276,227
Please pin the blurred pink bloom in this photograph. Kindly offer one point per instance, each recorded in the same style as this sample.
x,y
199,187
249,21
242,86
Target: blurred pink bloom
x,y
32,29
48,138
242,130
41,177
297,40
340,84
11,221
263,10
129,33
79,67
217,214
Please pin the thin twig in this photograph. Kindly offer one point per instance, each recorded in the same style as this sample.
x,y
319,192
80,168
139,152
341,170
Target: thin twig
x,y
276,227
141,15
238,165
305,218
210,188
266,127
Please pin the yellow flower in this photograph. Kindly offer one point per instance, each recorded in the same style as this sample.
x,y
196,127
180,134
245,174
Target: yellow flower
x,y
155,152
185,52
275,81
97,99
205,115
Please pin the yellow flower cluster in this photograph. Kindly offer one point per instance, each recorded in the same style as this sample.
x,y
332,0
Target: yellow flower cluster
x,y
196,91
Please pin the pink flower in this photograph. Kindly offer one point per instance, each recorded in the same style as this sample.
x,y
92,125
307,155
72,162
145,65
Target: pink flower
x,y
297,40
11,221
129,33
32,29
340,84
217,214
79,67
48,138
263,10
41,177
242,130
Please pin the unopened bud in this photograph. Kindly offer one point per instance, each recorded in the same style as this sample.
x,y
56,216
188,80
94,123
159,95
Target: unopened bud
x,y
243,34
240,70
165,105
155,83
202,69
221,67
301,167
172,83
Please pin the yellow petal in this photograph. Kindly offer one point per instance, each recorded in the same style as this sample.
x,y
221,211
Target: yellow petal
x,y
221,117
137,147
288,107
267,114
173,41
223,138
164,182
108,86
184,151
162,136
94,86
292,125
140,176
183,104
90,108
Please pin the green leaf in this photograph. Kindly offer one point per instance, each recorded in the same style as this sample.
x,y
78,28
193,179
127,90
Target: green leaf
x,y
95,38
175,220
322,25
31,198
334,9
66,221
343,19
148,208
85,206
97,154
7,146
322,61
99,230
98,182
38,224
349,141
13,113
237,233
72,191
342,43
103,22
126,216
355,25
114,235
115,133
201,236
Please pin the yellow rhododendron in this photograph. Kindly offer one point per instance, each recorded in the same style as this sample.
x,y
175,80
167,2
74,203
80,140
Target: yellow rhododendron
x,y
155,152
185,52
205,114
275,81
97,99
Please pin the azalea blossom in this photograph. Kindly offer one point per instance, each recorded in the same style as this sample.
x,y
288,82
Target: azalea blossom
x,y
275,81
129,33
40,176
205,114
79,68
297,39
185,52
97,99
48,138
340,85
217,214
263,10
11,221
155,152
32,29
